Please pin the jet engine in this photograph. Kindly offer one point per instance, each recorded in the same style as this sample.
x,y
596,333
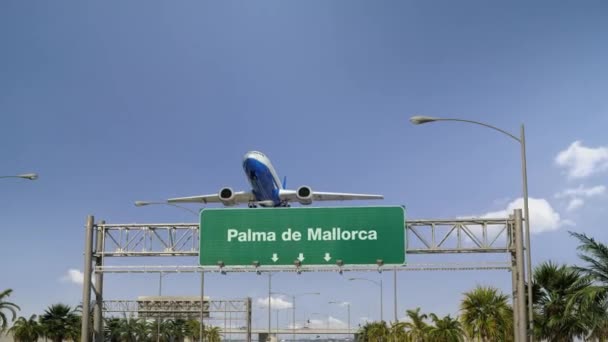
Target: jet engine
x,y
227,196
304,195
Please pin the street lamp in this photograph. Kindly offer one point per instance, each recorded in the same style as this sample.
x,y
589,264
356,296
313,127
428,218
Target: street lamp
x,y
348,310
381,300
30,176
293,302
418,120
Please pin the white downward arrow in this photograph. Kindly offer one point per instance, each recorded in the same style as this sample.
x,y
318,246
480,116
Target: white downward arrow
x,y
301,257
274,257
327,257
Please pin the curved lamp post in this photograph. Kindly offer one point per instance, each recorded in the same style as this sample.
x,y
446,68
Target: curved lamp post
x,y
30,176
293,302
379,284
418,120
347,304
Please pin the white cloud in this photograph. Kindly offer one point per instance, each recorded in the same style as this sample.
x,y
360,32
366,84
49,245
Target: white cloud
x,y
73,276
335,323
330,322
276,303
580,161
575,195
581,191
575,203
542,216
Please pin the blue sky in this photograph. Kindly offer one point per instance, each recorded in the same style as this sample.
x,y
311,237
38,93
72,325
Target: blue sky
x,y
113,102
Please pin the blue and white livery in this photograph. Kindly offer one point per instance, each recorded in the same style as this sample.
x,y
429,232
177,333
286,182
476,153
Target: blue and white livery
x,y
267,189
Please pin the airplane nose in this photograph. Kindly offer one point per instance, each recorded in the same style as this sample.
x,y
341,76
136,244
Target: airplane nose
x,y
248,163
246,156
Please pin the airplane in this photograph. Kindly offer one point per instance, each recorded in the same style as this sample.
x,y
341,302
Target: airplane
x,y
267,189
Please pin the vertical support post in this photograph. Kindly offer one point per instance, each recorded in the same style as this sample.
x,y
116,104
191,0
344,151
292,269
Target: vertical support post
x,y
98,309
160,293
248,319
225,314
201,330
513,276
395,293
269,305
530,321
519,255
348,311
381,302
85,335
293,321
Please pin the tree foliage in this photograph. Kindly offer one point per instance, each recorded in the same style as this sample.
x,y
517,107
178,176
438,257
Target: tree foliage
x,y
6,306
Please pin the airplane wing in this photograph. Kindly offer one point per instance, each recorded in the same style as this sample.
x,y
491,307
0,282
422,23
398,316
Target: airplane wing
x,y
238,197
337,196
292,196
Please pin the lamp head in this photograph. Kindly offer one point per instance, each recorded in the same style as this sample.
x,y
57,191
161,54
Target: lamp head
x,y
421,119
30,176
141,203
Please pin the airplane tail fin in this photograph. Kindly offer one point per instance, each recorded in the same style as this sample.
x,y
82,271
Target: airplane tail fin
x,y
285,182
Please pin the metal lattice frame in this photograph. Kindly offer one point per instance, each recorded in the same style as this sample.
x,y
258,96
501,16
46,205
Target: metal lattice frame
x,y
423,237
499,236
179,307
459,236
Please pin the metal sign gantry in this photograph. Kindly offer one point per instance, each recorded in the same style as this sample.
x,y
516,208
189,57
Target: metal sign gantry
x,y
504,235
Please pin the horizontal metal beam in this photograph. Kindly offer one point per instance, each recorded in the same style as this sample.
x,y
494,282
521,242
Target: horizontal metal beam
x,y
468,235
409,267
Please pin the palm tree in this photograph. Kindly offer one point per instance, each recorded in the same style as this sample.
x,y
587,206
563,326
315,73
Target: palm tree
x,y
417,328
193,329
11,307
26,330
61,322
112,329
397,332
128,329
486,314
176,329
377,332
446,329
142,330
595,255
564,309
213,334
361,335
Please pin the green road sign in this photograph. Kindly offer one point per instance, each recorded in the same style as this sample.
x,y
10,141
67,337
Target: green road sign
x,y
314,236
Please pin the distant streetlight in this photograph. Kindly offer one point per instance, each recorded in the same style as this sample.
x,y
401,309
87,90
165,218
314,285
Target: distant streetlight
x,y
347,304
293,302
145,203
418,120
381,297
30,176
